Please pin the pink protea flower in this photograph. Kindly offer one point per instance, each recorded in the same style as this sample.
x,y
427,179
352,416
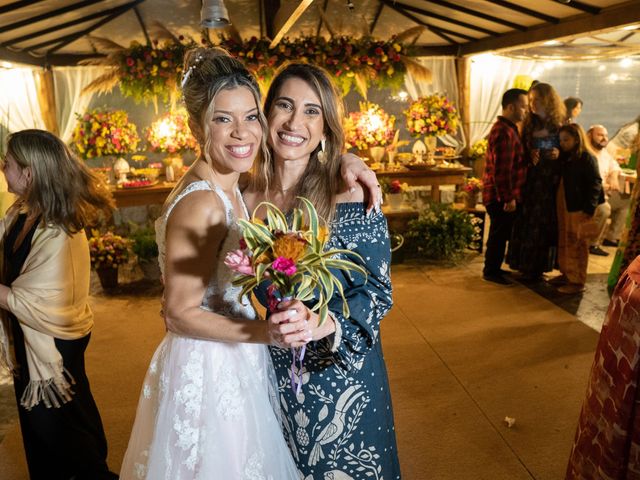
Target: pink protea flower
x,y
284,265
239,262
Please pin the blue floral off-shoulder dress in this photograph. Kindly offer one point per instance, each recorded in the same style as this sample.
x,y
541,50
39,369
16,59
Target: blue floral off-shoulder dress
x,y
341,424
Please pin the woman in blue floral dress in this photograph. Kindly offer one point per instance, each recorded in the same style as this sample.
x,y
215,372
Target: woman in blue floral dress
x,y
340,424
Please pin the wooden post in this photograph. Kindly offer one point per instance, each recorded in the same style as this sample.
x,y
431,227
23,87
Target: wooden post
x,y
47,99
464,103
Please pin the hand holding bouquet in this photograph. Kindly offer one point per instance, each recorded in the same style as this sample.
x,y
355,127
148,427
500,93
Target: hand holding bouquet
x,y
291,257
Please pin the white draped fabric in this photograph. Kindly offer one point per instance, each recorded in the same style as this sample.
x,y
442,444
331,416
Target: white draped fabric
x,y
444,81
69,82
19,107
491,76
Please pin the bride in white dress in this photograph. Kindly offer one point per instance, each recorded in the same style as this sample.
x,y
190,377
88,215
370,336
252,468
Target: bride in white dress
x,y
207,408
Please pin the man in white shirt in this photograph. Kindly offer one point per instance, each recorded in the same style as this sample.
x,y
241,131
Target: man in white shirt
x,y
616,205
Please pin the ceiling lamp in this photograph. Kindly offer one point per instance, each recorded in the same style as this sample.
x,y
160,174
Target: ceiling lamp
x,y
214,14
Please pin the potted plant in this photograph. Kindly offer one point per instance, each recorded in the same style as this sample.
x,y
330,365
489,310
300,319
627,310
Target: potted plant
x,y
108,252
440,232
393,191
471,190
145,248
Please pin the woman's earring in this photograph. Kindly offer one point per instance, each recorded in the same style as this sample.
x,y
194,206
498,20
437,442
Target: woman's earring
x,y
322,156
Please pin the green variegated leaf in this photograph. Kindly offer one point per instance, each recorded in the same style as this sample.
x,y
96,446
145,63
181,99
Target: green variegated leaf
x,y
345,265
296,223
260,269
345,305
256,232
277,221
243,280
314,224
324,311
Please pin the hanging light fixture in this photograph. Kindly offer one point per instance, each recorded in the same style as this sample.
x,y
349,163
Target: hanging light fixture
x,y
214,14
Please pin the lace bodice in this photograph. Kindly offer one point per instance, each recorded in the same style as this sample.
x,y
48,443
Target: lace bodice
x,y
220,297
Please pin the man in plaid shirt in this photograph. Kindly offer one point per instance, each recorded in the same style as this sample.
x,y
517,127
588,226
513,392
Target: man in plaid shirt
x,y
504,175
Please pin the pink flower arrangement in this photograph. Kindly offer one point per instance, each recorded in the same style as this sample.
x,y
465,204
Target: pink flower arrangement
x,y
433,115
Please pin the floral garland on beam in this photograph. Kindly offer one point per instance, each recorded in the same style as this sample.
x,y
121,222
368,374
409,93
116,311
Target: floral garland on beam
x,y
148,72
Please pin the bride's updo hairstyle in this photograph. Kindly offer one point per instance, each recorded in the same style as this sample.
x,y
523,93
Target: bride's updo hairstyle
x,y
207,71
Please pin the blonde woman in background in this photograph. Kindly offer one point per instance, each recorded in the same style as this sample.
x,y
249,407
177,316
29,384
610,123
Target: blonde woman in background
x,y
44,295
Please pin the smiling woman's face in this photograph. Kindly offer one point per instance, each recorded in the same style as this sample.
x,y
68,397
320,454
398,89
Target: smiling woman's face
x,y
235,130
296,121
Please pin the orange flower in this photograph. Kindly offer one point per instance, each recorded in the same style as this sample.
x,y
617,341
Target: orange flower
x,y
289,245
323,234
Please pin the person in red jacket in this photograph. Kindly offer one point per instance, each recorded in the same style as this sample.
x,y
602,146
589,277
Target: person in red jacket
x,y
504,174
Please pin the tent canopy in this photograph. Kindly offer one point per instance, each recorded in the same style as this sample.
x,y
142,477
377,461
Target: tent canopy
x,y
56,32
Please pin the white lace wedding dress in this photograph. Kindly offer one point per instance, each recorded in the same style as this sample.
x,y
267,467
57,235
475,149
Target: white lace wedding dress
x,y
208,410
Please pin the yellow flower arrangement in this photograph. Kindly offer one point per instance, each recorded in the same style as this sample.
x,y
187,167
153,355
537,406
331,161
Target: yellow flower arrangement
x,y
370,127
170,133
433,115
103,132
479,149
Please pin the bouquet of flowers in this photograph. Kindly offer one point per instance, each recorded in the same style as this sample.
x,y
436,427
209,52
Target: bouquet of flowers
x,y
103,132
478,149
433,115
108,250
370,127
472,186
170,133
292,257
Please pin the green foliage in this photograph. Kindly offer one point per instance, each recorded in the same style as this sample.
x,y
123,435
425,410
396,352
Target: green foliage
x,y
144,243
440,232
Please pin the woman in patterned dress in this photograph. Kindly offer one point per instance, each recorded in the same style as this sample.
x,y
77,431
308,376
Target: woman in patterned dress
x,y
607,440
534,242
340,425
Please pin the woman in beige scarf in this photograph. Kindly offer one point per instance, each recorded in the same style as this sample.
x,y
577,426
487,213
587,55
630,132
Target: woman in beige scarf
x,y
44,292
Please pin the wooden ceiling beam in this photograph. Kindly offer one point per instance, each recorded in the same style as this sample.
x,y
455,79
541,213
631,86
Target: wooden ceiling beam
x,y
286,16
48,15
608,18
526,11
376,17
62,26
16,5
437,51
582,6
475,13
95,26
143,27
324,10
271,7
410,8
60,60
441,32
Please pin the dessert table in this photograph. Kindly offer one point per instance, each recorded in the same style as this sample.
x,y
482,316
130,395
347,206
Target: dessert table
x,y
435,177
135,197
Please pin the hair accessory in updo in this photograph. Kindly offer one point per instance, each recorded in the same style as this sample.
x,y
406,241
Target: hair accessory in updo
x,y
187,74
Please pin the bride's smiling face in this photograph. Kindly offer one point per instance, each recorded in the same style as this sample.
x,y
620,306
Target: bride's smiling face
x,y
235,131
296,121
